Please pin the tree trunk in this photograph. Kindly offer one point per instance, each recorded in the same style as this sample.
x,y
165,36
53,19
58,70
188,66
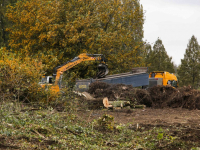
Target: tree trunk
x,y
2,23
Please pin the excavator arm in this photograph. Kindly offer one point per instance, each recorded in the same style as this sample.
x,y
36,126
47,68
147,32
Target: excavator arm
x,y
103,69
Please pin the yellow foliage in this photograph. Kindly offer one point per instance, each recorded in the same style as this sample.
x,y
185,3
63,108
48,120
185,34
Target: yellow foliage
x,y
19,79
56,31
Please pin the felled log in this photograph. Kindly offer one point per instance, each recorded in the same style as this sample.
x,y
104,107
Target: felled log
x,y
138,106
106,103
110,104
119,103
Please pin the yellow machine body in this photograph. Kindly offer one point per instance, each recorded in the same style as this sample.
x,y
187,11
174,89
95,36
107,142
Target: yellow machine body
x,y
164,78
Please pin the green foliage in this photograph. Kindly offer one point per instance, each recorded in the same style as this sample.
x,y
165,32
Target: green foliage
x,y
189,70
106,122
148,54
158,58
58,30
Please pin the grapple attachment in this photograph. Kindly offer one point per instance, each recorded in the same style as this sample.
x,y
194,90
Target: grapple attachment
x,y
102,70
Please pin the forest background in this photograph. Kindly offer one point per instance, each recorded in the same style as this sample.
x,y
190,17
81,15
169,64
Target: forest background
x,y
48,33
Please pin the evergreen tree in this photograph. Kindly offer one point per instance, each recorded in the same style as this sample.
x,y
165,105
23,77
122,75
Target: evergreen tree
x,y
189,69
148,55
159,59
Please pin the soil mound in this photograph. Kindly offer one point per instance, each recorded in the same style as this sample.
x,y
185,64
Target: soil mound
x,y
119,92
161,95
97,86
186,97
167,96
143,97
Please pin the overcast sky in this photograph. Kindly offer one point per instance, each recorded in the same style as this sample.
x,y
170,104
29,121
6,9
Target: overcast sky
x,y
174,22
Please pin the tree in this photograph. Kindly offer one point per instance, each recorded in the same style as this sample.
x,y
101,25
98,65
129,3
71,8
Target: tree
x,y
147,54
4,21
189,70
19,79
159,59
58,30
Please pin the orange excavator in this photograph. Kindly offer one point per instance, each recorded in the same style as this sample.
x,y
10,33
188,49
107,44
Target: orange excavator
x,y
58,71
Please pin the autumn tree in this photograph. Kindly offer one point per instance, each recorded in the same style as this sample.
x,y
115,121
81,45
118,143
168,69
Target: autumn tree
x,y
159,59
58,30
189,70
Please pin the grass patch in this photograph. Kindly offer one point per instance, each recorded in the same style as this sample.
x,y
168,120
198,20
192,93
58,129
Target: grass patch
x,y
31,126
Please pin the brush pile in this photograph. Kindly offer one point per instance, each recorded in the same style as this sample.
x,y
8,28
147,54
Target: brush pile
x,y
155,97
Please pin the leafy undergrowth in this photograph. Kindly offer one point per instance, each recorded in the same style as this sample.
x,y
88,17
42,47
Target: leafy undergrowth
x,y
39,126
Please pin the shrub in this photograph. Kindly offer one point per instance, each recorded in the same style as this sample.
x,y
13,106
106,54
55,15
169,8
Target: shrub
x,y
19,78
106,122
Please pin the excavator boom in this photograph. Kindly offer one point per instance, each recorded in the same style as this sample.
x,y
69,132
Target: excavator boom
x,y
59,70
102,67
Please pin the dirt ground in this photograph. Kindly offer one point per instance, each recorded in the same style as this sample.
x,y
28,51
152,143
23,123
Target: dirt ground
x,y
164,104
151,116
176,110
180,123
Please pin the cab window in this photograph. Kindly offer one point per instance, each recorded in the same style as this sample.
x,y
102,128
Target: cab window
x,y
174,83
